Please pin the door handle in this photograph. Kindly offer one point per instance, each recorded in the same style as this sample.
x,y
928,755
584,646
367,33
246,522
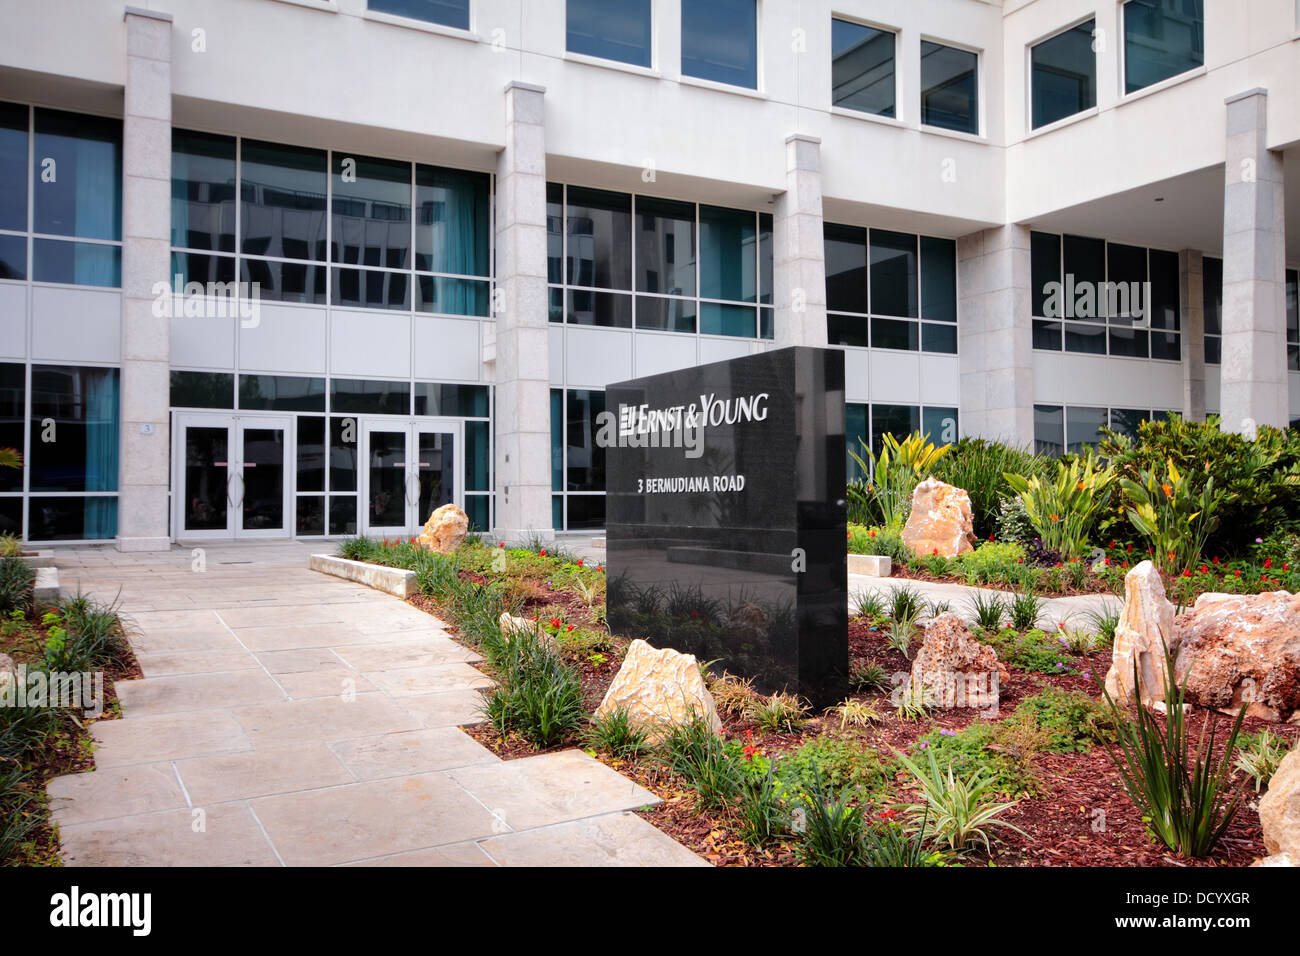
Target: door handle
x,y
230,476
240,503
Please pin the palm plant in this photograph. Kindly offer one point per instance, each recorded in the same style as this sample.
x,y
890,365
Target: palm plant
x,y
1063,509
1174,515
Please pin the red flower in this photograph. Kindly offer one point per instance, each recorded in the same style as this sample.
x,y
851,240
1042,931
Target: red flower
x,y
1204,569
990,537
600,567
542,552
1268,562
555,622
1107,562
569,629
935,551
1129,548
1020,560
888,814
1112,542
873,534
1187,573
1237,573
580,562
1215,559
501,544
1058,564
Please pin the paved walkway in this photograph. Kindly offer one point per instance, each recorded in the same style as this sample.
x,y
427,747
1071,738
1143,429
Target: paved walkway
x,y
289,718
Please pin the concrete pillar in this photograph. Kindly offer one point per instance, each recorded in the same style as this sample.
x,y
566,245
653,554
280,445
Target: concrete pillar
x,y
995,335
799,250
523,422
146,259
1191,310
1254,385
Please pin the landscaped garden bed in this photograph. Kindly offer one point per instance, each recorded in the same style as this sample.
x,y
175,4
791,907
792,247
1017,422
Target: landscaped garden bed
x,y
68,654
783,785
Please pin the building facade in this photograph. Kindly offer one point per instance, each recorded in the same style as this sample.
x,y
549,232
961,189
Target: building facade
x,y
274,268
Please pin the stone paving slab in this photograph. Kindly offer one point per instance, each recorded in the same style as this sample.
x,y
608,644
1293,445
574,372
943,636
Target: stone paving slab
x,y
460,854
416,751
230,835
325,718
423,652
415,681
622,839
260,773
133,740
336,681
105,794
197,692
176,663
448,709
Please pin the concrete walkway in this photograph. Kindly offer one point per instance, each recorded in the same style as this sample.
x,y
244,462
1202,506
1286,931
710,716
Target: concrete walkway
x,y
287,718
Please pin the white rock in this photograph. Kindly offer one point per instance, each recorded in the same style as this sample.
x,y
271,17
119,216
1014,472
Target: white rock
x,y
1145,624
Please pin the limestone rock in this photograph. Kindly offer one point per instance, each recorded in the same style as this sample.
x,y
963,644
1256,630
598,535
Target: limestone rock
x,y
1145,624
1235,648
659,688
511,625
1281,859
955,668
1279,809
8,672
445,530
940,520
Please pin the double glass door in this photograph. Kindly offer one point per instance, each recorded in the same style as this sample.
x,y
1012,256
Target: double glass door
x,y
411,468
233,476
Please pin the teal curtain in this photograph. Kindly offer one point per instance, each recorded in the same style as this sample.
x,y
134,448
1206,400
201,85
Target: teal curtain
x,y
101,418
456,243
98,209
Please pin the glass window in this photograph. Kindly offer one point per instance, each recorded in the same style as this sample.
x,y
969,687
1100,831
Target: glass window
x,y
727,254
282,393
283,194
665,315
1126,420
11,515
893,273
202,390
949,88
940,424
284,281
343,514
203,191
554,232
371,210
476,509
608,309
665,246
79,263
446,296
309,518
718,319
1045,268
1049,430
343,458
862,68
371,288
856,438
13,257
586,512
938,279
477,459
311,458
361,396
13,167
765,258
460,401
450,13
1293,320
77,175
846,268
1163,309
1162,38
585,460
847,330
893,334
1063,75
1085,277
610,29
1212,294
74,429
1127,274
454,216
557,440
13,416
1083,427
202,268
720,41
897,420
71,519
599,227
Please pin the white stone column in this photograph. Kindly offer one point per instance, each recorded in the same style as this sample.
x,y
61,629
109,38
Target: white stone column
x,y
799,249
1191,310
995,335
146,259
1254,385
523,417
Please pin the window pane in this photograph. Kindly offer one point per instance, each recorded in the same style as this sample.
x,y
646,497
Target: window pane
x,y
311,457
371,288
451,13
846,268
938,338
13,257
1047,335
1212,297
370,397
1166,345
765,258
1293,320
586,512
938,279
83,196
1126,420
309,518
557,440
459,401
1064,75
343,455
477,459
1213,349
1127,271
609,309
766,324
13,167
949,88
451,296
283,393
857,440
1049,430
586,459
11,515
893,273
202,268
600,239
1083,427
81,451
555,305
203,191
71,519
554,232
940,424
1085,274
862,68
727,259
202,390
453,219
610,29
897,420
283,194
1162,38
665,315
1164,311
371,210
284,281
665,247
847,330
13,415
1082,336
720,41
79,263
1044,268
893,334
557,512
343,514
718,319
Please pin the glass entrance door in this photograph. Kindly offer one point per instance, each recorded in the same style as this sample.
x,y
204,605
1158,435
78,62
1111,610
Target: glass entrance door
x,y
411,469
232,476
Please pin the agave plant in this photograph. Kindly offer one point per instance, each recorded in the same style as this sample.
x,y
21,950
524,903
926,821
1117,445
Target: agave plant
x,y
1063,509
1174,515
957,811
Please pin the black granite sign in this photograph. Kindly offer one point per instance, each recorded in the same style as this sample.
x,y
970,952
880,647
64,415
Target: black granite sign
x,y
726,517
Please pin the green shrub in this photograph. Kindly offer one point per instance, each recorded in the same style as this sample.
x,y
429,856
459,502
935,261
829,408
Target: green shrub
x,y
701,757
839,764
830,826
957,810
891,843
1065,507
875,540
1032,651
10,546
1072,721
17,823
759,805
987,612
905,604
1024,610
537,695
979,748
870,606
869,677
1013,522
991,563
17,585
93,634
617,735
980,467
1258,756
777,713
1175,511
